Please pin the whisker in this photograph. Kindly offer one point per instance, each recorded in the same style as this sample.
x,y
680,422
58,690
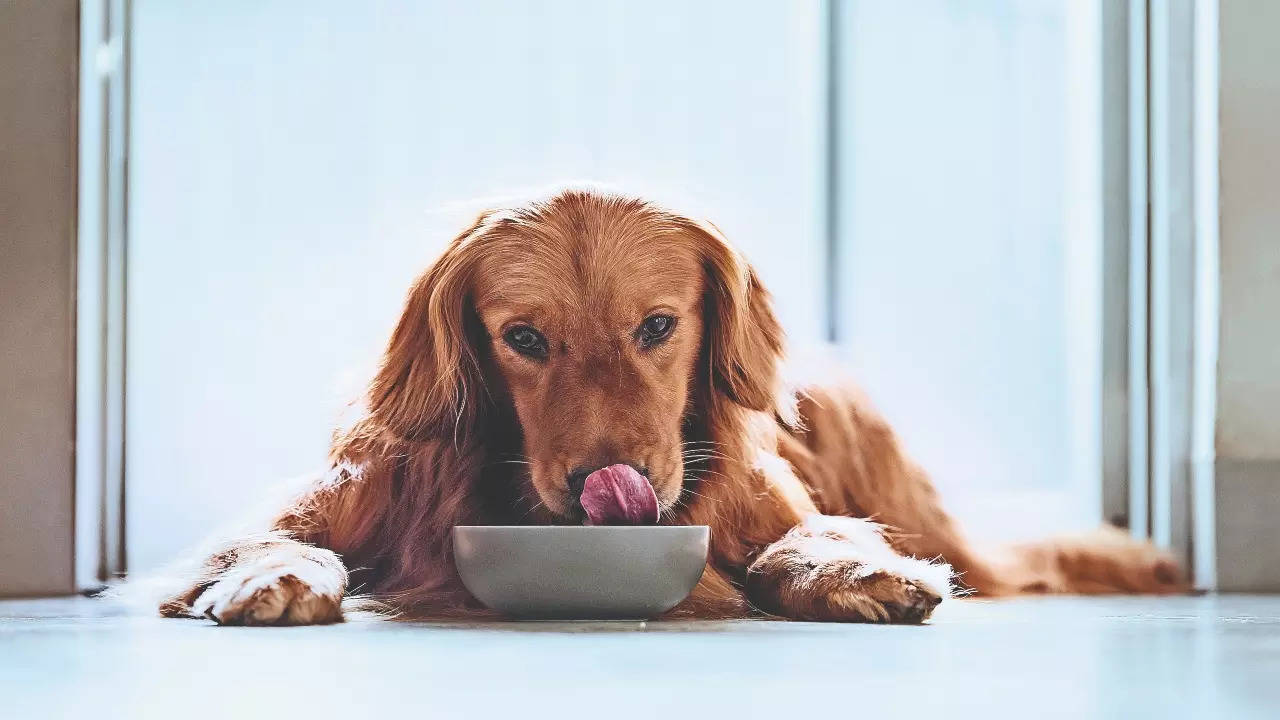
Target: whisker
x,y
704,458
704,497
708,471
708,453
704,454
528,512
684,502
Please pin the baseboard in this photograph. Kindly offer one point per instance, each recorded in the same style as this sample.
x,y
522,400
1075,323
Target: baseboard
x,y
1247,520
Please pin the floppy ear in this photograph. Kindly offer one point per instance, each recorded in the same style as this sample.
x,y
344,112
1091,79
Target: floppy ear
x,y
743,337
430,381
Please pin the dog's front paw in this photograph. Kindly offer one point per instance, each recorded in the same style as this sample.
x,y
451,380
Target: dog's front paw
x,y
846,591
879,596
296,593
845,574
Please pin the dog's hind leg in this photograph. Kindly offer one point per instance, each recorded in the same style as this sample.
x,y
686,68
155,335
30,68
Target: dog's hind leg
x,y
854,465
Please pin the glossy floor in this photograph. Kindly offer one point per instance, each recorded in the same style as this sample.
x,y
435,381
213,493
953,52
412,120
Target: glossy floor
x,y
1205,657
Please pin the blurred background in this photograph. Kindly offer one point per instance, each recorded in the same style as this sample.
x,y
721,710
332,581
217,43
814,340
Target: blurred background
x,y
290,173
1003,214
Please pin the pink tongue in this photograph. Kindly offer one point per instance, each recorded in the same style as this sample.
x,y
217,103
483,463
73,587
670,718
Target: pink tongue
x,y
618,495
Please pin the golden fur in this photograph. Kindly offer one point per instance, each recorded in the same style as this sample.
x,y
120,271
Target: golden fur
x,y
461,428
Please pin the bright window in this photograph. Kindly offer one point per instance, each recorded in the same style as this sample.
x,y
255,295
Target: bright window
x,y
292,171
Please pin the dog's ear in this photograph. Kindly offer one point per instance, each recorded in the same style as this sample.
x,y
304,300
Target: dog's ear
x,y
430,382
743,338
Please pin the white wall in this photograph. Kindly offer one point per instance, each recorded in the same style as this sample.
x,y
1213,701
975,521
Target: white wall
x,y
970,211
1248,374
292,171
1249,359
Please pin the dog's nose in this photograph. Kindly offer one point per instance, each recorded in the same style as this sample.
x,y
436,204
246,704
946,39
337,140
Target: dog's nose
x,y
577,478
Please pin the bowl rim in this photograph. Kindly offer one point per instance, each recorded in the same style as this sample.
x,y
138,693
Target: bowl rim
x,y
646,528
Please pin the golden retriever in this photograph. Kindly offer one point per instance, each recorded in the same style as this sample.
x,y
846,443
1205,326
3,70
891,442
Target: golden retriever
x,y
590,330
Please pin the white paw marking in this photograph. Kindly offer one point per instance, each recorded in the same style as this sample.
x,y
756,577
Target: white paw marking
x,y
298,592
868,547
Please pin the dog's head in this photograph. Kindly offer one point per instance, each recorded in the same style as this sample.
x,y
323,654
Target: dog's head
x,y
602,326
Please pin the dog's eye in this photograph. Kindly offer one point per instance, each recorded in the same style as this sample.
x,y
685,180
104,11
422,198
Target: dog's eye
x,y
526,341
655,329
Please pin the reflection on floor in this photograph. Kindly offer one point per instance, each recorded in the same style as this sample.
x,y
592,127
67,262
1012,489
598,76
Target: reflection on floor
x,y
1206,657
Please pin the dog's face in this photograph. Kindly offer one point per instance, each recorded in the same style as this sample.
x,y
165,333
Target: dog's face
x,y
592,319
594,328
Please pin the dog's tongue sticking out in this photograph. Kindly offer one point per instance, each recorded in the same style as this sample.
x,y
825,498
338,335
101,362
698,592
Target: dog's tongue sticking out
x,y
618,495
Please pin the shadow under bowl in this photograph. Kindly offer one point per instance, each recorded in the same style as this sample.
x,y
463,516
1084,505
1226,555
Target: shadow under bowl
x,y
580,573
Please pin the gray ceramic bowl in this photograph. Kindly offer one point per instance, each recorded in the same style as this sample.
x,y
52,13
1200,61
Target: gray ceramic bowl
x,y
580,573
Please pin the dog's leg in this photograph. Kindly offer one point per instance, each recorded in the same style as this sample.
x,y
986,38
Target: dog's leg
x,y
855,464
292,574
838,568
270,581
1105,561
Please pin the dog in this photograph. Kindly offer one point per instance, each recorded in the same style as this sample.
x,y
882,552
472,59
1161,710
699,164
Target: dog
x,y
588,330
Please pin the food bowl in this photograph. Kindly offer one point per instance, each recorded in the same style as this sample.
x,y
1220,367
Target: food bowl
x,y
580,573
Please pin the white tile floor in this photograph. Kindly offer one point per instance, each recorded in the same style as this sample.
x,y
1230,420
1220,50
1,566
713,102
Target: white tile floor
x,y
1204,657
